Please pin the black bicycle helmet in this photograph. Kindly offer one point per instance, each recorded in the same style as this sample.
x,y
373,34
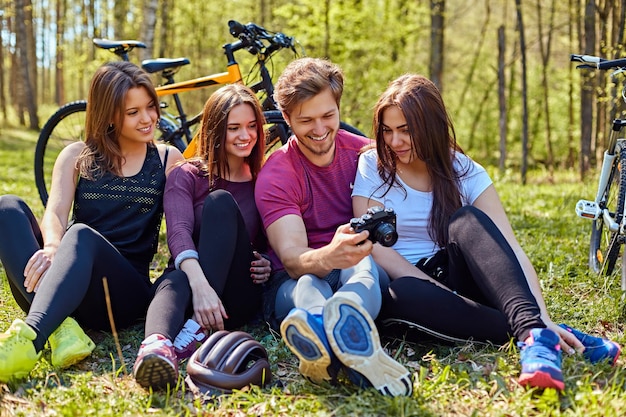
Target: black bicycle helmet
x,y
227,361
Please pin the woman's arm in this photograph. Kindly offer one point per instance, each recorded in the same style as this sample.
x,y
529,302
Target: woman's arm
x,y
56,215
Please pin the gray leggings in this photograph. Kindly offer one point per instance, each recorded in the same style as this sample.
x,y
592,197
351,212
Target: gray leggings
x,y
361,283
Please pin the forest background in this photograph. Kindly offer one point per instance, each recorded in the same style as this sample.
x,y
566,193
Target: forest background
x,y
503,65
518,103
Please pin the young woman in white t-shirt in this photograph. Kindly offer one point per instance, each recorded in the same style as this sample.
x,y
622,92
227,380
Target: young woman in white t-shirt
x,y
457,270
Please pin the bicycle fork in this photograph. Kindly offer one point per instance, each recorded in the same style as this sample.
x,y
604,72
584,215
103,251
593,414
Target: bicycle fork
x,y
592,210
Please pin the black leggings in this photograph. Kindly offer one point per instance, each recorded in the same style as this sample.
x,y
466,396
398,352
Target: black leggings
x,y
225,254
73,285
489,298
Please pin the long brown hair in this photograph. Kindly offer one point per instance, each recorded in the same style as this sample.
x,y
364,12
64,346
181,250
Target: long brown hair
x,y
211,149
105,116
433,141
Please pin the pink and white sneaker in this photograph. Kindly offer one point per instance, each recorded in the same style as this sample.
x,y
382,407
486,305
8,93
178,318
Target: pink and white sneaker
x,y
156,365
189,339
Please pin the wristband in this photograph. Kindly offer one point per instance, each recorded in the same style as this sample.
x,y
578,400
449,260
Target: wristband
x,y
184,255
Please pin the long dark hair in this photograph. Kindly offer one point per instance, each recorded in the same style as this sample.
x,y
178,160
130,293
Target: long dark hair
x,y
433,141
105,116
210,154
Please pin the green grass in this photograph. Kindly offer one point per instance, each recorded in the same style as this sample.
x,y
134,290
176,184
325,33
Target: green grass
x,y
465,380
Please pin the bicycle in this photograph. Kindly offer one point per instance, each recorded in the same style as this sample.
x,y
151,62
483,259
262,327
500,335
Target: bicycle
x,y
606,211
66,125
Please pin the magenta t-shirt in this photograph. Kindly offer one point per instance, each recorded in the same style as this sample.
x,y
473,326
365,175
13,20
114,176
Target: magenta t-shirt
x,y
290,184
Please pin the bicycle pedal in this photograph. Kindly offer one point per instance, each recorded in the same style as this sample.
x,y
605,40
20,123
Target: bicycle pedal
x,y
587,209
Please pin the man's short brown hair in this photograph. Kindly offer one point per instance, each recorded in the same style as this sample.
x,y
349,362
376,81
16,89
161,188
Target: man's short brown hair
x,y
305,78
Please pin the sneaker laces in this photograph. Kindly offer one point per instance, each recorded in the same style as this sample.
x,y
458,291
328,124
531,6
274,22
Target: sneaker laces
x,y
186,336
538,350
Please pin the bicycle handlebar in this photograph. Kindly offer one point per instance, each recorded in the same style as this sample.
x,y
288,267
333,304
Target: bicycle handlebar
x,y
590,61
251,37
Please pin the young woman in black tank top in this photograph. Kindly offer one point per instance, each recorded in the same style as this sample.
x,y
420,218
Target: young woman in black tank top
x,y
114,183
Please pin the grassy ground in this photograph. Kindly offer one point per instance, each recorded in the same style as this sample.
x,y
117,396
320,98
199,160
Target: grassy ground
x,y
464,380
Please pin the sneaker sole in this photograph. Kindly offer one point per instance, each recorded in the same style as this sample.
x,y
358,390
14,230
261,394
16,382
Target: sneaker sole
x,y
306,345
354,338
541,380
155,372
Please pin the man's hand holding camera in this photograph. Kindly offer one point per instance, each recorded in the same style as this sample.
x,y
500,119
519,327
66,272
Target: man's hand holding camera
x,y
380,222
347,248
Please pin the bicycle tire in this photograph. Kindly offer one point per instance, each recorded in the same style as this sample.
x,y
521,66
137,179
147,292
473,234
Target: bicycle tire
x,y
605,245
67,125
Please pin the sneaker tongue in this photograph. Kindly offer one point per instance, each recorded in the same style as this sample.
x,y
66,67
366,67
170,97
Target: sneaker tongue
x,y
156,338
192,326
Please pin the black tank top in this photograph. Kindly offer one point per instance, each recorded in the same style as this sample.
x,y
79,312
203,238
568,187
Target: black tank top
x,y
127,211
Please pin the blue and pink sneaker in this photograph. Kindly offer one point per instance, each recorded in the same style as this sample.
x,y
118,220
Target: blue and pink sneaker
x,y
597,349
540,358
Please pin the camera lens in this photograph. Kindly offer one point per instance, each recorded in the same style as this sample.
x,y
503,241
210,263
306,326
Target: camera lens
x,y
385,234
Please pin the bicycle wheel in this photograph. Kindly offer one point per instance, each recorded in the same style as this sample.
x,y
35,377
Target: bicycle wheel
x,y
605,245
277,130
67,125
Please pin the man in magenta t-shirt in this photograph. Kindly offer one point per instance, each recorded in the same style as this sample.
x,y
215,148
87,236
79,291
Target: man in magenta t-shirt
x,y
327,289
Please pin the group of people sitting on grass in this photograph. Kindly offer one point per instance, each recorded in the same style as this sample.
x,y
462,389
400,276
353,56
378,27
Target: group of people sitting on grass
x,y
251,238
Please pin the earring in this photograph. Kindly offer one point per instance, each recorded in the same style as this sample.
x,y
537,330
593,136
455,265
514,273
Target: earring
x,y
217,145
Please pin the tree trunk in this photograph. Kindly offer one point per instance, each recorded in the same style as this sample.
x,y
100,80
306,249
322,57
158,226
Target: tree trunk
x,y
600,139
502,97
147,29
44,40
544,49
522,44
437,25
60,47
3,99
165,17
21,41
326,28
120,10
587,93
32,50
570,162
476,56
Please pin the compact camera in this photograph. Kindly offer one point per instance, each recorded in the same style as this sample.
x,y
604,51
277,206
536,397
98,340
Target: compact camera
x,y
380,222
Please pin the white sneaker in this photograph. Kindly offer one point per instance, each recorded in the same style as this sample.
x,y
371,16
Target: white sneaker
x,y
189,339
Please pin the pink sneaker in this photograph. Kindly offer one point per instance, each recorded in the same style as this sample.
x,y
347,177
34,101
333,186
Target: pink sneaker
x,y
189,339
156,365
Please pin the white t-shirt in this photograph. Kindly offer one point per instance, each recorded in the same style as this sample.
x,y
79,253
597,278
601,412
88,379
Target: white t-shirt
x,y
413,207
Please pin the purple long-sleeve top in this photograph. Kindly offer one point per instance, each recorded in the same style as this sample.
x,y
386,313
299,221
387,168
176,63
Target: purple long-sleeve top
x,y
185,191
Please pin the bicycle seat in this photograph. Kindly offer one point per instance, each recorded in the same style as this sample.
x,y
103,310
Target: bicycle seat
x,y
126,45
162,64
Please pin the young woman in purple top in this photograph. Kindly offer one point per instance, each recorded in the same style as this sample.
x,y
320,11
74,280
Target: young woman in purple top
x,y
214,234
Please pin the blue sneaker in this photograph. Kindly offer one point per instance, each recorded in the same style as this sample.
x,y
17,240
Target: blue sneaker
x,y
541,360
304,335
354,338
597,349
